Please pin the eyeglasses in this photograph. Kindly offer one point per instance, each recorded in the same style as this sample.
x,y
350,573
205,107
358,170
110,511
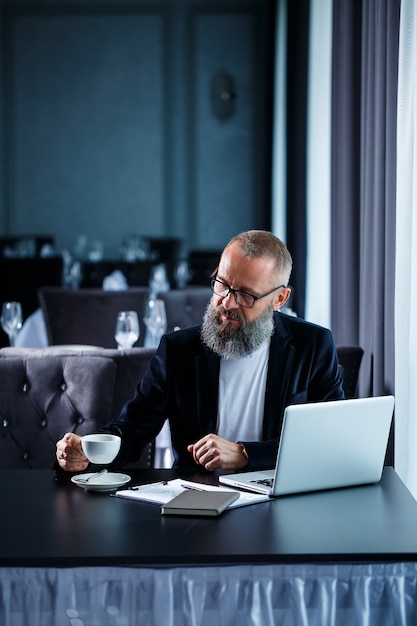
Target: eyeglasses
x,y
242,298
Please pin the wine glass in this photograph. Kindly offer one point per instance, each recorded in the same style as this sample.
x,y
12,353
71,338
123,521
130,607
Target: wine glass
x,y
182,273
127,329
158,280
155,321
73,274
11,320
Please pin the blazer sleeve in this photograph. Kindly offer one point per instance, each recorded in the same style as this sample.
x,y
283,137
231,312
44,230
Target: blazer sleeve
x,y
180,385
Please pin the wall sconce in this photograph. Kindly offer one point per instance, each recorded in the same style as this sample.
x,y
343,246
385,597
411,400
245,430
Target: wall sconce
x,y
223,96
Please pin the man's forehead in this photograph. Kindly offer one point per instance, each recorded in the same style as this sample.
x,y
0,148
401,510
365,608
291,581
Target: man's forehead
x,y
244,272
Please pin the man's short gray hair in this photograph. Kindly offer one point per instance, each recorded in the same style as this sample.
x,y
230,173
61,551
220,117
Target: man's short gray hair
x,y
262,243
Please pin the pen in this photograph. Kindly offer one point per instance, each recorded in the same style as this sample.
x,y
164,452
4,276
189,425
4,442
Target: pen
x,y
192,488
162,482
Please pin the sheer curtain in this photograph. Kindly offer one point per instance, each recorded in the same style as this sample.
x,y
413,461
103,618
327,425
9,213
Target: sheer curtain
x,y
406,252
318,267
301,210
279,191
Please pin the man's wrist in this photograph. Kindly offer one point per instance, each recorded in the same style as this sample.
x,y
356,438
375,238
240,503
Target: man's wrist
x,y
243,451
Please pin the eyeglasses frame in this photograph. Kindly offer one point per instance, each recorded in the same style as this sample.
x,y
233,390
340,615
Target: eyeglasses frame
x,y
214,279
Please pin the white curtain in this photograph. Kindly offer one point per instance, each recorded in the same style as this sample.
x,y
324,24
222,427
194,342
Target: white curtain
x,y
317,309
279,195
406,253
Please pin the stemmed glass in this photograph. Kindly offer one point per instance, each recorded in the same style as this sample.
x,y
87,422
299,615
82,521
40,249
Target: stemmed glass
x,y
155,321
11,320
182,273
127,329
73,274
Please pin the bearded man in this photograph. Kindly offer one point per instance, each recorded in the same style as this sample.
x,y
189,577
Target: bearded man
x,y
224,385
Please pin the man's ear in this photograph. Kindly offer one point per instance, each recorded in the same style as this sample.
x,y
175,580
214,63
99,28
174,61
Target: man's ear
x,y
281,298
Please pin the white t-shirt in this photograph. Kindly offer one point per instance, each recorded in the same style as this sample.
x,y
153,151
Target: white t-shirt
x,y
242,396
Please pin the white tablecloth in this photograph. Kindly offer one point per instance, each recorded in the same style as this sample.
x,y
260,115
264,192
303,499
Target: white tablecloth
x,y
33,333
261,595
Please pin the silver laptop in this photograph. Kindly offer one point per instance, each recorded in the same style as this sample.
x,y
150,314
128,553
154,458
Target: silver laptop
x,y
325,445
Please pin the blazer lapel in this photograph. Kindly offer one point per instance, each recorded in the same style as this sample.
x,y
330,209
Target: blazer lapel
x,y
281,358
207,366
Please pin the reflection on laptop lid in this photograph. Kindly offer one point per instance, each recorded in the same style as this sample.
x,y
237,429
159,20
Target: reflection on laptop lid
x,y
325,445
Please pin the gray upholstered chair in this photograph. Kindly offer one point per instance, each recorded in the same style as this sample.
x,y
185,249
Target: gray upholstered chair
x,y
350,358
45,393
185,307
88,316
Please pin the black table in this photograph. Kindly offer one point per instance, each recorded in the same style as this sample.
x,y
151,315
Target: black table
x,y
50,527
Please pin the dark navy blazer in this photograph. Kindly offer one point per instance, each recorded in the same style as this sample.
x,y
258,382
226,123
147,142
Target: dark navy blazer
x,y
182,382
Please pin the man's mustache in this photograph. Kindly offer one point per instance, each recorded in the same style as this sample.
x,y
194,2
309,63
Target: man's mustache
x,y
230,313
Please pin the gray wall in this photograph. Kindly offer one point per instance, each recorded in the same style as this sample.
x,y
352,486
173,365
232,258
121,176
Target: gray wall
x,y
109,125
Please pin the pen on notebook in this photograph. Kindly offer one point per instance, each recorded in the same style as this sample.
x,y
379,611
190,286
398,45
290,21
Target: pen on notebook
x,y
192,488
162,482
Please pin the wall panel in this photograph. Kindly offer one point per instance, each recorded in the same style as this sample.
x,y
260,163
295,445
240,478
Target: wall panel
x,y
86,124
224,40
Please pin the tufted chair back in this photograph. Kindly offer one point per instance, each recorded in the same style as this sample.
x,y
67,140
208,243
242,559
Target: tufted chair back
x,y
350,358
45,393
88,316
185,307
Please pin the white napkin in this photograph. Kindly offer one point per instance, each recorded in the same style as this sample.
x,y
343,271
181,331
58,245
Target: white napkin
x,y
116,281
33,333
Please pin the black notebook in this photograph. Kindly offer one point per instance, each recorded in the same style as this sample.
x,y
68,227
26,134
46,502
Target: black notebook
x,y
192,502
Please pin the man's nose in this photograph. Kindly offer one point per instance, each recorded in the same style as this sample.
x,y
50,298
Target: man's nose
x,y
229,301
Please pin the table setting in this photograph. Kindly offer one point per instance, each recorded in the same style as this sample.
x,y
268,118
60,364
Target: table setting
x,y
100,449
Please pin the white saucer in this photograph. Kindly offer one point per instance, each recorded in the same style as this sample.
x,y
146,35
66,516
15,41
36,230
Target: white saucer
x,y
109,481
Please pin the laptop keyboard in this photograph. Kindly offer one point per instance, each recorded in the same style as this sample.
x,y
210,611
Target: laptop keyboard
x,y
265,482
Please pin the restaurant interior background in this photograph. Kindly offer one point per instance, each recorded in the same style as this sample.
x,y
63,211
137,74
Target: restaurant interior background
x,y
193,119
147,118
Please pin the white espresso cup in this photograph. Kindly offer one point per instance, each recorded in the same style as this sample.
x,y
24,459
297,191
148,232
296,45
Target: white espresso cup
x,y
100,448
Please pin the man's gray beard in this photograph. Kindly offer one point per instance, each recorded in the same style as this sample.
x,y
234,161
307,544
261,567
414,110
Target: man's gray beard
x,y
235,344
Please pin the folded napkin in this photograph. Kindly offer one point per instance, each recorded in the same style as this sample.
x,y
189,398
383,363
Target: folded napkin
x,y
116,281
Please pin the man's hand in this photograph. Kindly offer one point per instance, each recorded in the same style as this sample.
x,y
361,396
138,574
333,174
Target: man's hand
x,y
213,452
69,453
